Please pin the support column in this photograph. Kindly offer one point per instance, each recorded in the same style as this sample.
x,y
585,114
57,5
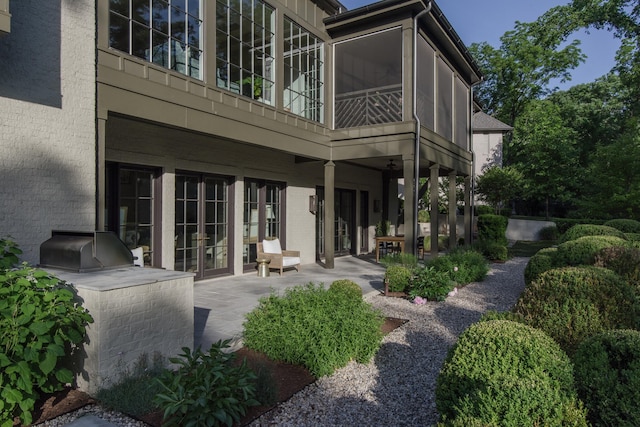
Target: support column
x,y
433,193
329,214
468,215
410,220
101,175
453,211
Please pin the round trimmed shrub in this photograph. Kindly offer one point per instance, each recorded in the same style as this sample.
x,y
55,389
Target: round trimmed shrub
x,y
549,233
347,288
583,250
607,374
573,303
624,225
632,237
623,260
493,228
509,374
581,230
399,277
543,260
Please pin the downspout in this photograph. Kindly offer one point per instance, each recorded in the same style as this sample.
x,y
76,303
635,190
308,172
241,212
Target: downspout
x,y
416,160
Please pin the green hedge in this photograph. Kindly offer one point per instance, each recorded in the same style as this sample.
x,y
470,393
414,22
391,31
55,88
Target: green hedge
x,y
583,250
347,288
573,303
398,277
624,225
607,373
464,265
311,326
623,260
581,230
503,373
493,228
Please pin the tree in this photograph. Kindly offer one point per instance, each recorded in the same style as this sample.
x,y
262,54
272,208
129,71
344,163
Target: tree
x,y
544,151
497,185
529,58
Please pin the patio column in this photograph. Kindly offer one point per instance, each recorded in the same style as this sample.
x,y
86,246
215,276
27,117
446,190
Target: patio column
x,y
101,175
468,215
433,198
329,214
408,166
453,211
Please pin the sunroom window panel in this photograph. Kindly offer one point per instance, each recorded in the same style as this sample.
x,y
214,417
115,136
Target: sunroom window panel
x,y
140,41
178,25
426,84
140,11
119,33
461,114
120,6
445,100
160,16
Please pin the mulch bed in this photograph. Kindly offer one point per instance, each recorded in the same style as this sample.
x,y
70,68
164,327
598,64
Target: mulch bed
x,y
289,379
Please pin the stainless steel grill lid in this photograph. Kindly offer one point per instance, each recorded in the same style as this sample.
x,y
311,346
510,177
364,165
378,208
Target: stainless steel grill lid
x,y
84,251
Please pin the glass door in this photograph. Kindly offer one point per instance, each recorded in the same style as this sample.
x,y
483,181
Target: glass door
x,y
202,237
344,222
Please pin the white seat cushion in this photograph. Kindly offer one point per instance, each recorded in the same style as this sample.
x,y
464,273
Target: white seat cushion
x,y
290,261
138,257
272,246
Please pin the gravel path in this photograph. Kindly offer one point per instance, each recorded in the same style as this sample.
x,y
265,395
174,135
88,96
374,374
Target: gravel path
x,y
397,388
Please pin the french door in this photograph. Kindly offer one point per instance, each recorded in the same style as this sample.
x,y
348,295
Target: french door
x,y
203,240
344,210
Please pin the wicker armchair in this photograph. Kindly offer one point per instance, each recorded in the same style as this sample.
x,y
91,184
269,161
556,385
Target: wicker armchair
x,y
280,259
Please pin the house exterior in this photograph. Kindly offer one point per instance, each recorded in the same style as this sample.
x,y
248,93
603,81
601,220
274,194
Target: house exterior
x,y
195,129
488,135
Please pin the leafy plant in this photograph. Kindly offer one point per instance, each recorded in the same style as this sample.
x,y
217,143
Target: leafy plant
x,y
206,389
464,265
42,326
573,303
431,284
9,252
401,258
136,389
549,233
347,288
607,372
311,326
398,277
509,374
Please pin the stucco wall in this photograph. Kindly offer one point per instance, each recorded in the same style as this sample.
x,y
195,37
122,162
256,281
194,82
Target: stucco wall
x,y
47,126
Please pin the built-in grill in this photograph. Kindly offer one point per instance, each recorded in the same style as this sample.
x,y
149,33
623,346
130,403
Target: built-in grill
x,y
84,251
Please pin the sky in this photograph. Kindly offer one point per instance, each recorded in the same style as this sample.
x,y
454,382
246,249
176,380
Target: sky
x,y
478,21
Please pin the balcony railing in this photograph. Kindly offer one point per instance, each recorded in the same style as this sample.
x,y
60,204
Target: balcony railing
x,y
369,107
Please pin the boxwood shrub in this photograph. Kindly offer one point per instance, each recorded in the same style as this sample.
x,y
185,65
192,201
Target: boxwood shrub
x,y
310,326
624,225
399,277
607,374
583,250
573,303
543,260
623,260
509,374
347,288
493,228
581,230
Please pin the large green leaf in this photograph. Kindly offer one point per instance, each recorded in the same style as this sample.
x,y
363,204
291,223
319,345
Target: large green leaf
x,y
48,363
65,376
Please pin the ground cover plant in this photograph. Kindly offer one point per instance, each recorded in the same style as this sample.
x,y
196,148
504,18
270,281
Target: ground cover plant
x,y
43,326
505,373
314,327
607,372
573,303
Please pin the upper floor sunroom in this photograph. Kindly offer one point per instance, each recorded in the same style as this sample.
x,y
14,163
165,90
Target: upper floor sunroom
x,y
346,69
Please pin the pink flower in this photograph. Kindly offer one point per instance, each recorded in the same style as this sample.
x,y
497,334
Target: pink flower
x,y
419,300
453,292
455,268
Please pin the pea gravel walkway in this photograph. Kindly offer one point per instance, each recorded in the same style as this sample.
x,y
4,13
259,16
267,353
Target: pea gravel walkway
x,y
397,388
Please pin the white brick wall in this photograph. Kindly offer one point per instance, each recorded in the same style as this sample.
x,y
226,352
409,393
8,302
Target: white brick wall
x,y
47,121
135,311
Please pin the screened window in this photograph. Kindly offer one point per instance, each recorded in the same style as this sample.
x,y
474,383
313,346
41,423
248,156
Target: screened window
x,y
368,80
303,72
244,48
444,122
461,135
425,84
165,32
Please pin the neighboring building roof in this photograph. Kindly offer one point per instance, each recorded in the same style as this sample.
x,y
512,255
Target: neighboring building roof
x,y
485,123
